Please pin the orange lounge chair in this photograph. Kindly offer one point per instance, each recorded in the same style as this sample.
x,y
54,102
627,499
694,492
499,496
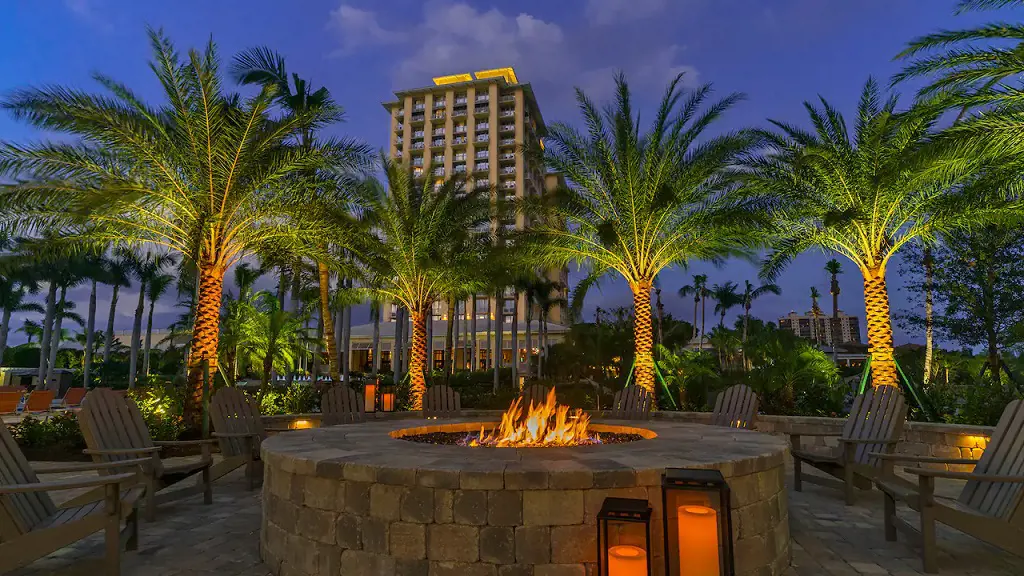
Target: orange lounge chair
x,y
39,401
73,397
9,401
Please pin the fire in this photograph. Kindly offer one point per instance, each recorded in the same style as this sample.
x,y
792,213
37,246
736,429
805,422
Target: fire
x,y
546,424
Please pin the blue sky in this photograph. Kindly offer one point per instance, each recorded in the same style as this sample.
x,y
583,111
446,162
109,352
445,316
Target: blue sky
x,y
778,52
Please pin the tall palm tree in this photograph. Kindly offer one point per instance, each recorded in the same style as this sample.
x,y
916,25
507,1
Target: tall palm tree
x,y
750,294
273,337
550,295
834,268
32,330
640,203
863,195
697,289
726,297
317,109
928,262
209,174
156,286
815,315
410,228
13,299
117,273
149,269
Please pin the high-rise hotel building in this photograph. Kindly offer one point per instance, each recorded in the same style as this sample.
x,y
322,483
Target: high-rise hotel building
x,y
474,126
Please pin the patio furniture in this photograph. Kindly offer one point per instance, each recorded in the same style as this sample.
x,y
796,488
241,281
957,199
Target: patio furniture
x,y
32,526
736,407
239,431
38,401
9,402
990,506
115,431
874,426
73,398
631,403
536,393
441,402
341,405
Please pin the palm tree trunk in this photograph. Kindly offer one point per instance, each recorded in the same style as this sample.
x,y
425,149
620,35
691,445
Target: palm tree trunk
x,y
703,318
643,372
488,351
474,360
149,339
55,340
268,367
396,348
746,321
449,345
543,341
205,334
430,340
499,352
346,344
5,327
315,371
109,343
90,335
324,276
529,337
44,339
661,317
835,319
417,358
133,361
696,301
929,320
515,340
455,340
880,348
375,311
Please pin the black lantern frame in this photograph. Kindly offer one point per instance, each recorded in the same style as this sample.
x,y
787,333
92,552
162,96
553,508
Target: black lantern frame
x,y
621,511
684,483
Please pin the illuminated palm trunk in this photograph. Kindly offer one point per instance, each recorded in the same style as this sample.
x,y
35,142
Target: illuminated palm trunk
x,y
418,357
328,320
205,333
643,372
876,303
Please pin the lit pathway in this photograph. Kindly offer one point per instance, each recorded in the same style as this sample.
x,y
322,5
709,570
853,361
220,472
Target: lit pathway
x,y
829,539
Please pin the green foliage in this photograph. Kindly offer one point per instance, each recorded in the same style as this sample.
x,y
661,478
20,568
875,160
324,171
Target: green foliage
x,y
161,404
295,399
690,373
58,433
977,403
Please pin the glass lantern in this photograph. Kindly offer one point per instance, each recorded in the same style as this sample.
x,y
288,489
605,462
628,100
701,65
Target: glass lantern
x,y
370,397
698,523
624,538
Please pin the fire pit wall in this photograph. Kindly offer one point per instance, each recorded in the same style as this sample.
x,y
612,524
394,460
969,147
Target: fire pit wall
x,y
353,500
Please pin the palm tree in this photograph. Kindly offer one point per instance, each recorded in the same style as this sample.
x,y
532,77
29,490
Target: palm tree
x,y
928,262
863,195
726,297
148,269
117,272
696,289
750,294
316,109
550,295
209,175
410,229
834,268
640,203
156,286
13,300
815,315
32,330
272,336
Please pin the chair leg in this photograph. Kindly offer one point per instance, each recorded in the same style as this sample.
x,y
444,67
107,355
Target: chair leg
x,y
890,517
150,499
929,552
132,524
798,481
250,471
848,487
112,530
207,486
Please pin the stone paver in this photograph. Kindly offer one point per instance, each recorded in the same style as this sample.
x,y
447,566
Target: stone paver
x,y
829,539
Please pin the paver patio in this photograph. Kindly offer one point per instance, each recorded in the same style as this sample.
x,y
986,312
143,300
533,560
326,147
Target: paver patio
x,y
829,539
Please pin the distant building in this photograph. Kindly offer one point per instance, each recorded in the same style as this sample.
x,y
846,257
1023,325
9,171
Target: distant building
x,y
819,329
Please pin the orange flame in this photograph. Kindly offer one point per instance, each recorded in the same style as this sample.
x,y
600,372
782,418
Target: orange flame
x,y
546,424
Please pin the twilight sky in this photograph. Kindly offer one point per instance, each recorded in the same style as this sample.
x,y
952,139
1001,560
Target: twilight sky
x,y
778,52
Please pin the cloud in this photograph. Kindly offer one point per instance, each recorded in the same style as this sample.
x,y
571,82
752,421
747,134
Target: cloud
x,y
653,74
605,12
360,28
87,12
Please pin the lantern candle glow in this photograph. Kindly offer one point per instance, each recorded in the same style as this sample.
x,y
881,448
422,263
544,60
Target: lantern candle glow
x,y
698,536
624,538
697,523
370,397
387,402
625,560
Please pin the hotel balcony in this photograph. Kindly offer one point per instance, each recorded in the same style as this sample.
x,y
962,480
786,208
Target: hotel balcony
x,y
507,142
507,113
506,156
481,167
438,104
418,134
418,146
483,138
460,169
508,127
418,118
438,131
459,141
483,183
438,116
461,101
460,129
418,107
483,127
508,170
459,113
459,157
439,143
438,172
507,98
482,110
482,154
508,184
399,127
483,98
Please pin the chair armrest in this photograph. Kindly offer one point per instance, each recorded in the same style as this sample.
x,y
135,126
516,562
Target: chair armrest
x,y
867,441
87,466
276,429
826,434
924,459
185,442
925,472
122,451
67,484
235,434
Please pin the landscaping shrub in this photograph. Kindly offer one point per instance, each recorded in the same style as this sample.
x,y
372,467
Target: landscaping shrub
x,y
295,399
55,437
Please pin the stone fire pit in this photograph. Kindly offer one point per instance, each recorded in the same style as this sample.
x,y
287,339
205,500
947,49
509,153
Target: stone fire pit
x,y
357,500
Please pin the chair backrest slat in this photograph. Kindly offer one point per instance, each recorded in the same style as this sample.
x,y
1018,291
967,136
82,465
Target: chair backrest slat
x,y
73,397
9,401
1004,456
39,401
341,405
631,403
19,513
442,402
736,407
232,411
879,413
112,421
538,393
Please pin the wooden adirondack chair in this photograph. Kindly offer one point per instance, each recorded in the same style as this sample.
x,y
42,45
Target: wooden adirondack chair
x,y
38,401
341,405
115,431
736,407
990,506
631,403
874,426
442,402
31,526
239,431
9,402
537,393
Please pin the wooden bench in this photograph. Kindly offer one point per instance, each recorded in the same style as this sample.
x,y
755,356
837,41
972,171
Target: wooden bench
x,y
115,431
31,526
874,426
342,405
990,506
441,402
736,407
631,403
